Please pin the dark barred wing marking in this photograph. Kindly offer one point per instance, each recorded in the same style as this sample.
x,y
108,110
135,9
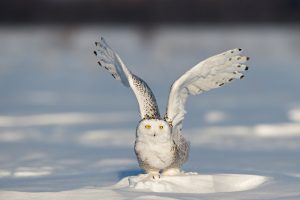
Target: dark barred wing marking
x,y
146,97
110,61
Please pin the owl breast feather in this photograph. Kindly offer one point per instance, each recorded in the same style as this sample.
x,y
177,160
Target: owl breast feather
x,y
157,156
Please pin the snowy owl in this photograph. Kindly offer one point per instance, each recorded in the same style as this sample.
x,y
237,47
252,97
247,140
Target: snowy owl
x,y
159,146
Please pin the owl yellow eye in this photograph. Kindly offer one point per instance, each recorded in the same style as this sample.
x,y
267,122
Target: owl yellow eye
x,y
147,126
161,127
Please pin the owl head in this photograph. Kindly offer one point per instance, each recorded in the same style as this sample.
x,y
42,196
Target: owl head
x,y
154,130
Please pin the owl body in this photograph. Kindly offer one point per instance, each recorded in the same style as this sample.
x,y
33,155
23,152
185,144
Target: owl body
x,y
155,147
159,145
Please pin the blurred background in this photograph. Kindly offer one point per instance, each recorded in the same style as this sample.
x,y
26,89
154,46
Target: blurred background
x,y
64,123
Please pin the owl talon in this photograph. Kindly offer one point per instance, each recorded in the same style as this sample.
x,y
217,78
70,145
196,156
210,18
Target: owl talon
x,y
156,176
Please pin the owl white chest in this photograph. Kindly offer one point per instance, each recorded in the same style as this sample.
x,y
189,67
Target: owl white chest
x,y
156,154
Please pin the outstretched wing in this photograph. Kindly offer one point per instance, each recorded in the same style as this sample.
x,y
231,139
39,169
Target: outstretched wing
x,y
206,75
110,60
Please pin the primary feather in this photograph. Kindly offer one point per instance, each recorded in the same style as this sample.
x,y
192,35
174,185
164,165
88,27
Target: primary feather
x,y
110,60
206,75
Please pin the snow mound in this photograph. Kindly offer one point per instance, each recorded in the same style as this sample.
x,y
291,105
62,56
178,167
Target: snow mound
x,y
192,183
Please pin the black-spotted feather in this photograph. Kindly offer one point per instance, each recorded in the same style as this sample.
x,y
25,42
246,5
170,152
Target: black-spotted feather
x,y
211,73
110,61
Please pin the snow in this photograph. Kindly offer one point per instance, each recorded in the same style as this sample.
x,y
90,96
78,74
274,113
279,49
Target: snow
x,y
215,116
67,129
184,183
294,115
192,183
62,119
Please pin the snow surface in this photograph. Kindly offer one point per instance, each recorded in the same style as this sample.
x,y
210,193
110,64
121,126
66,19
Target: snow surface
x,y
184,183
192,183
67,128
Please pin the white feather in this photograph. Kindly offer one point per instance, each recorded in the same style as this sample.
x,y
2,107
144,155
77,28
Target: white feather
x,y
206,75
110,60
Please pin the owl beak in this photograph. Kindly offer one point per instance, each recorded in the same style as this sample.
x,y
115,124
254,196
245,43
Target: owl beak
x,y
154,134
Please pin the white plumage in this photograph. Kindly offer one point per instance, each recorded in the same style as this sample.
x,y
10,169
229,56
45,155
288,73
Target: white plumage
x,y
160,146
154,147
206,75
